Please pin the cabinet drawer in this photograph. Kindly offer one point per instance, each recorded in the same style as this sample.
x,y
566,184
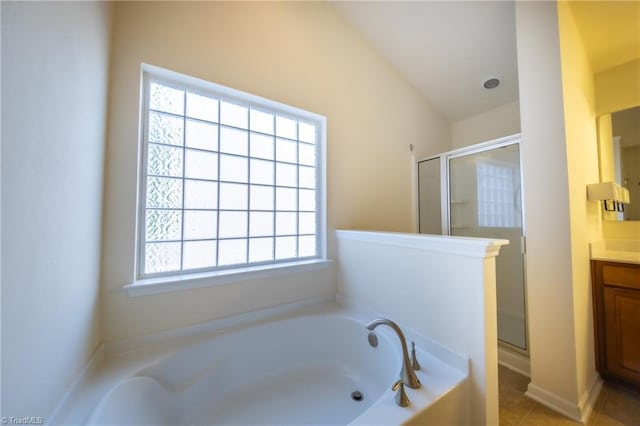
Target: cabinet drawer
x,y
621,276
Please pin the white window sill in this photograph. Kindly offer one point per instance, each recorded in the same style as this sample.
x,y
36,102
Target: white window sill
x,y
149,286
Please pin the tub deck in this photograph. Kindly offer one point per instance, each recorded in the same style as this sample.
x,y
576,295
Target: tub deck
x,y
298,366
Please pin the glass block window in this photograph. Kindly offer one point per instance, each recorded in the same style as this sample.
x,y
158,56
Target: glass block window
x,y
228,180
498,195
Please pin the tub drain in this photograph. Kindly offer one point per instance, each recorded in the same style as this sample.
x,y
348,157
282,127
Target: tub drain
x,y
357,396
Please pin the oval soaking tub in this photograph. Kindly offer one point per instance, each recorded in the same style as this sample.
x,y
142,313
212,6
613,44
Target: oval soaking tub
x,y
302,370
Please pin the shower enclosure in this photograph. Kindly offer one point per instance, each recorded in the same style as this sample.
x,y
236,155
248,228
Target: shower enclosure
x,y
476,192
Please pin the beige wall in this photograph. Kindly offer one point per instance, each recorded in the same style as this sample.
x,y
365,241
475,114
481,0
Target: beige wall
x,y
582,163
493,124
302,54
547,160
54,93
560,157
628,230
618,88
549,293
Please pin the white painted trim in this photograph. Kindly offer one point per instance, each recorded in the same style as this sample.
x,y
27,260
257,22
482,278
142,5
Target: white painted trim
x,y
225,91
90,367
161,285
465,246
579,412
151,73
555,402
589,398
514,361
178,336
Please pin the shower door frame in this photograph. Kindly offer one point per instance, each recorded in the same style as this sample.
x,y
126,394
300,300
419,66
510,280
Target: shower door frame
x,y
445,201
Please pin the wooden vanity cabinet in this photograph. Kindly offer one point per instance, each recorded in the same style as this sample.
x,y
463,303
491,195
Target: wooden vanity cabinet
x,y
616,307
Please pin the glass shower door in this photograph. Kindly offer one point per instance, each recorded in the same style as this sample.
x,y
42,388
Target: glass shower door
x,y
486,201
430,198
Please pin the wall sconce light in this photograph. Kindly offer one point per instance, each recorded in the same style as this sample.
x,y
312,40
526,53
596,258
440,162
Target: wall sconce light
x,y
612,195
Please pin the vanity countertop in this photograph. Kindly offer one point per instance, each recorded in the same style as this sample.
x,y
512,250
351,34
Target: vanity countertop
x,y
624,251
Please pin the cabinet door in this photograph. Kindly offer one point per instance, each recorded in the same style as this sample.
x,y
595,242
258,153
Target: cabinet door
x,y
622,328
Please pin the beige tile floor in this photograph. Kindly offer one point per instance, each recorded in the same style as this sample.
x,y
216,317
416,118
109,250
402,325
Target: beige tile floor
x,y
617,405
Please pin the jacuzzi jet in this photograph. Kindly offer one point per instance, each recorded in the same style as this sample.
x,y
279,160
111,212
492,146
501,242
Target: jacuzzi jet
x,y
357,395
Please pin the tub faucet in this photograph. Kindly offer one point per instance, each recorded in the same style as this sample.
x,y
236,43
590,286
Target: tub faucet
x,y
407,374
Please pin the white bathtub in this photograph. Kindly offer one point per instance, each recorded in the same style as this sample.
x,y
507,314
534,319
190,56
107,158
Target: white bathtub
x,y
300,370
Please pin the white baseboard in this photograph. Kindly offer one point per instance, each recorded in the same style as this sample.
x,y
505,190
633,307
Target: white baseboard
x,y
579,412
90,367
555,402
589,398
514,361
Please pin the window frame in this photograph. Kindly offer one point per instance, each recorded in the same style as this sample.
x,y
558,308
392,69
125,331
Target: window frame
x,y
150,73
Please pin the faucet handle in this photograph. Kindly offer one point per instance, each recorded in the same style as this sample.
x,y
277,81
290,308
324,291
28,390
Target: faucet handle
x,y
401,396
414,361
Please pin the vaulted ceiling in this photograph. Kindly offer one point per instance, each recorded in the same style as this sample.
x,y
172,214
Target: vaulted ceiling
x,y
447,49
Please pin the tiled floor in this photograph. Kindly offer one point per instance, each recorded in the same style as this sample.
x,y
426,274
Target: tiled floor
x,y
617,405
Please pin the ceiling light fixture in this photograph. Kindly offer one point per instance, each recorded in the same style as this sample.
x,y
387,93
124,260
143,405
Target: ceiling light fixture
x,y
491,83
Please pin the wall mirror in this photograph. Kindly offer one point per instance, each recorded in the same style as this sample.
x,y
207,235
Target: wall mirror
x,y
619,149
